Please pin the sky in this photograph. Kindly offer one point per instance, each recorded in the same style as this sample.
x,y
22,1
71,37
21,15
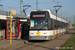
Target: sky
x,y
66,11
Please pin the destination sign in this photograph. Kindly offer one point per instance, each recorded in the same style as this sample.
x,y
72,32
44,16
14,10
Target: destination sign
x,y
38,15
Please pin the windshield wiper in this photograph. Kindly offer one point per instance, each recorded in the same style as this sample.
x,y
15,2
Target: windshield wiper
x,y
42,27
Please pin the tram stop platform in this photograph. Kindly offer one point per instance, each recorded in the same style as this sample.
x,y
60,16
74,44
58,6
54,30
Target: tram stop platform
x,y
6,44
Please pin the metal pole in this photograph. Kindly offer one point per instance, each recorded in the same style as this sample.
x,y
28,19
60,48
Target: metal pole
x,y
10,26
56,18
36,4
61,19
56,25
20,8
74,21
61,15
69,23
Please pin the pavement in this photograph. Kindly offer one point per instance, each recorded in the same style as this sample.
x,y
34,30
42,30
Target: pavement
x,y
6,44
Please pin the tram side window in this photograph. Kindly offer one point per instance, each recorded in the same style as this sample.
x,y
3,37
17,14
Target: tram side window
x,y
52,24
48,20
62,25
51,27
65,25
59,24
56,25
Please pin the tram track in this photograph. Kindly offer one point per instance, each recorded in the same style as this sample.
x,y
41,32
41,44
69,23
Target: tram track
x,y
31,45
40,45
34,44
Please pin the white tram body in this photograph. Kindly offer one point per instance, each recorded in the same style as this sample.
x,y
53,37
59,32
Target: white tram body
x,y
40,31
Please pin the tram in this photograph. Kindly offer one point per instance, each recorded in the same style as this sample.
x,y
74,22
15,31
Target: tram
x,y
45,26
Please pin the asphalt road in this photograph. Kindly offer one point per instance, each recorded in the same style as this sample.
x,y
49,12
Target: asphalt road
x,y
54,44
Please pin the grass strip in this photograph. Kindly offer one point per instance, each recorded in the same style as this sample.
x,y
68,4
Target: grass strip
x,y
70,44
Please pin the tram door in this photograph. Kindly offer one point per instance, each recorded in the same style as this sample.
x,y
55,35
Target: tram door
x,y
24,27
15,29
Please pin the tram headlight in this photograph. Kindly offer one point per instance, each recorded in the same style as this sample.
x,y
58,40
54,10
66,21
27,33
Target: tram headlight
x,y
31,33
45,33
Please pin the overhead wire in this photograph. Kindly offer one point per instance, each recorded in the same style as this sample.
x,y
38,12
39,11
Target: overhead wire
x,y
65,14
61,10
2,7
17,1
55,2
26,0
32,7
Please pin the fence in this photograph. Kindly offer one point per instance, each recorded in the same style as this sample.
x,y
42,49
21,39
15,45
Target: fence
x,y
2,34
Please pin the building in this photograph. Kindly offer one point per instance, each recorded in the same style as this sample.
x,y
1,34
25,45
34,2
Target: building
x,y
71,25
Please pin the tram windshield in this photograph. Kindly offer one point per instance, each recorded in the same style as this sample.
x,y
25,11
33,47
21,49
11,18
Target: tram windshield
x,y
38,20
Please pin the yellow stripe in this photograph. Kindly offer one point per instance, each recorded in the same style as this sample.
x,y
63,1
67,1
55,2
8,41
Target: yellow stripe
x,y
54,34
63,31
38,33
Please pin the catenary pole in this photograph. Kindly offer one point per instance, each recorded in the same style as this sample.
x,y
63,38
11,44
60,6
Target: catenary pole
x,y
36,4
20,8
74,21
